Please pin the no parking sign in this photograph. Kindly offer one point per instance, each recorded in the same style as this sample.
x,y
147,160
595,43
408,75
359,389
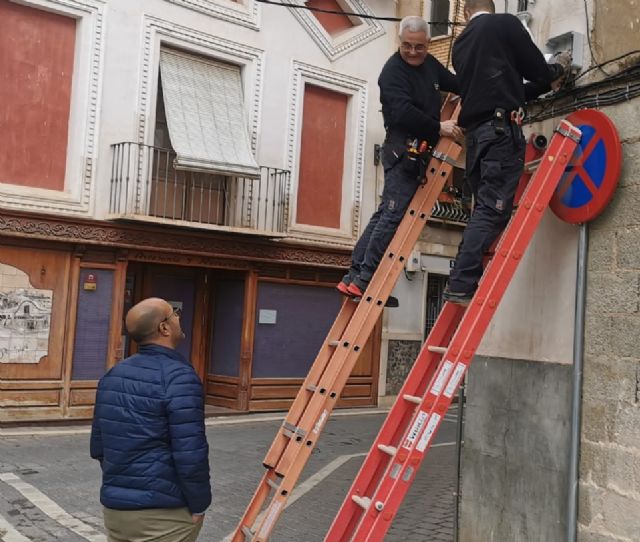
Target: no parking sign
x,y
591,177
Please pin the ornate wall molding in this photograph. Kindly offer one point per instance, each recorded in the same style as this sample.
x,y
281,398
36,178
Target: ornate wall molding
x,y
246,14
356,132
157,31
166,243
85,106
336,46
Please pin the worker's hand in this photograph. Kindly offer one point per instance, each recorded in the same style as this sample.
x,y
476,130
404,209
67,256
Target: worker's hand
x,y
197,518
450,128
563,59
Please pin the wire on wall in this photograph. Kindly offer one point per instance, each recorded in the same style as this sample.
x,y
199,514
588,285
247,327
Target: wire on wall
x,y
347,13
593,56
597,94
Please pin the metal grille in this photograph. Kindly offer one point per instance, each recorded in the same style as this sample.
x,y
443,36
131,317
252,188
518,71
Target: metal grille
x,y
454,213
435,287
146,182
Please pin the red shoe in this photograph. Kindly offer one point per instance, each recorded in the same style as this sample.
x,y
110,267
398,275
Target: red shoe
x,y
343,288
354,290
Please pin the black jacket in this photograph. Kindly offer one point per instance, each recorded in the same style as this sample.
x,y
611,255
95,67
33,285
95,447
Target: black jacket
x,y
491,57
410,97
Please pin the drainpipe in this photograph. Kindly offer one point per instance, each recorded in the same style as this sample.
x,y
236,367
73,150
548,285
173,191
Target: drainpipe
x,y
459,435
576,398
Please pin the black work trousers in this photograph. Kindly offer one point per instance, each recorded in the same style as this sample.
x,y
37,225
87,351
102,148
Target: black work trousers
x,y
495,162
401,180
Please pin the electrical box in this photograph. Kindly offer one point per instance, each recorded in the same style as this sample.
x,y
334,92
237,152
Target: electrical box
x,y
569,41
414,262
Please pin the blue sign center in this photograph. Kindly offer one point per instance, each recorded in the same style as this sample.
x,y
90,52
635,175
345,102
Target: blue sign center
x,y
587,169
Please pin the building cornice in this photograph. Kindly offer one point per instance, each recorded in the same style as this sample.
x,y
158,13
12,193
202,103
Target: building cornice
x,y
161,239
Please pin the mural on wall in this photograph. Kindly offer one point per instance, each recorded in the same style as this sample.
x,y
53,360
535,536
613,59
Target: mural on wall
x,y
25,317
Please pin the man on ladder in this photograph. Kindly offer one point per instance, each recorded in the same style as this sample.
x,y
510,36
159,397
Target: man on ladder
x,y
491,57
410,85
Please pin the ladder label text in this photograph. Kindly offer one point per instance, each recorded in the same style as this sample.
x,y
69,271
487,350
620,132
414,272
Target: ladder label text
x,y
417,426
455,380
426,437
443,375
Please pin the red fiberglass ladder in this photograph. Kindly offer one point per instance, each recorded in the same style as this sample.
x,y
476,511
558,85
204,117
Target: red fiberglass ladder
x,y
329,373
407,433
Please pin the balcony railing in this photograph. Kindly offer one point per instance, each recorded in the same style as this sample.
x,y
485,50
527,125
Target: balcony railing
x,y
145,183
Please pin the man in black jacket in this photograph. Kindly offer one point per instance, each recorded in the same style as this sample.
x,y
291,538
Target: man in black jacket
x,y
491,57
410,85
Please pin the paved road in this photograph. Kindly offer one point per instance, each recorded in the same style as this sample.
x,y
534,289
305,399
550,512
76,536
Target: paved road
x,y
49,486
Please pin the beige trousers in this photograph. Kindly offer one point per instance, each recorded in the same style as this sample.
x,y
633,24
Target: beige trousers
x,y
150,525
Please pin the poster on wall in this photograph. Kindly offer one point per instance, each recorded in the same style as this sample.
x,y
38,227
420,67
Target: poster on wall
x,y
25,318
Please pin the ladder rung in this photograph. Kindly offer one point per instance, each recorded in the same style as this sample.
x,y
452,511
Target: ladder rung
x,y
412,399
312,387
437,349
248,533
334,343
389,450
272,483
289,430
530,167
363,502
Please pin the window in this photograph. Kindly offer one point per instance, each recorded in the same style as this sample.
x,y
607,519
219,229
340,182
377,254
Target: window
x,y
337,34
333,24
435,286
440,10
179,194
324,120
205,115
36,61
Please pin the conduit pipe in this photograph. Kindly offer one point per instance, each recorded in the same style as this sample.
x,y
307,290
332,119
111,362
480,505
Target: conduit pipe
x,y
576,396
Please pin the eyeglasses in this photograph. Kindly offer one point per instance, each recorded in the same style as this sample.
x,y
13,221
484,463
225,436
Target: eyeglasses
x,y
408,47
176,311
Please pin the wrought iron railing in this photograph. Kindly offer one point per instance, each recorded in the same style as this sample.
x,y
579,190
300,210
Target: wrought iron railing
x,y
145,182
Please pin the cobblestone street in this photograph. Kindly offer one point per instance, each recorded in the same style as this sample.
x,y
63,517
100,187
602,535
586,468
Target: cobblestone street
x,y
49,486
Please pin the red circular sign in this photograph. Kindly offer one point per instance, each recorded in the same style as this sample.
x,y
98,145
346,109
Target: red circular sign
x,y
591,177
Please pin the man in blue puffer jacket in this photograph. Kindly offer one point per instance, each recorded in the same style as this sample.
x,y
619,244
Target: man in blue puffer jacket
x,y
148,434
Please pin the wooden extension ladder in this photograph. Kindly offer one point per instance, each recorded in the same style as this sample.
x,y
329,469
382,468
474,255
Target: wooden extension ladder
x,y
328,375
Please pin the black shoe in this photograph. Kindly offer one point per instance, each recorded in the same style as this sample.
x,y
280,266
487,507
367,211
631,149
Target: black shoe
x,y
459,298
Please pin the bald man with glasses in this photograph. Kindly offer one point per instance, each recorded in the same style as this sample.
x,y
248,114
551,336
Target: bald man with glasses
x,y
148,435
410,85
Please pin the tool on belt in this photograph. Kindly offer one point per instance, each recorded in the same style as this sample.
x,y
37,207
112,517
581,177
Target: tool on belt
x,y
502,117
416,155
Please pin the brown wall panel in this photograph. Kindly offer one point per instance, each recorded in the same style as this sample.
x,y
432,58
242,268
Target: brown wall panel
x,y
82,397
46,270
333,24
324,121
36,63
25,398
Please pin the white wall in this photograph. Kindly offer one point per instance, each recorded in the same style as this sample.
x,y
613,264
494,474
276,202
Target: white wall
x,y
115,86
536,318
280,41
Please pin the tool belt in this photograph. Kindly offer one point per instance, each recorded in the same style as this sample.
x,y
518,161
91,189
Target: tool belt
x,y
503,118
394,137
410,152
